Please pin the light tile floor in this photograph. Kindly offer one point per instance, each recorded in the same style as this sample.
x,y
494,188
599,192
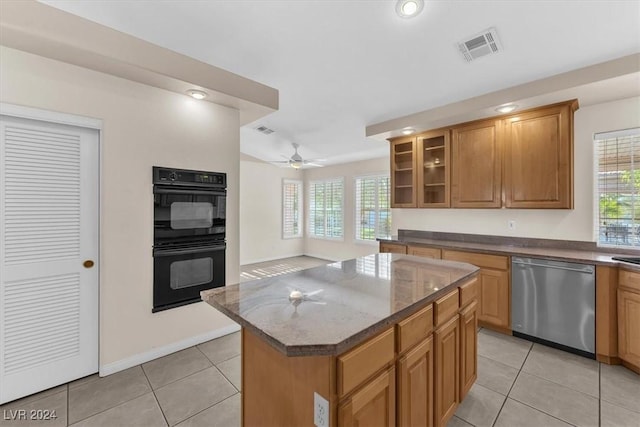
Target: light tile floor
x,y
519,384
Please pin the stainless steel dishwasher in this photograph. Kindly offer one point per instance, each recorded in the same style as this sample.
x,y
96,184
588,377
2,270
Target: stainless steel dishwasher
x,y
553,302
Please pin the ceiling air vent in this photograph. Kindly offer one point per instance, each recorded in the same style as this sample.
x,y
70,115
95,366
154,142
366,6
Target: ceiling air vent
x,y
481,44
265,130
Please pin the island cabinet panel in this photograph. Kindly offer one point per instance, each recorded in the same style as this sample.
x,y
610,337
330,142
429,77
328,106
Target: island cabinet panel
x,y
355,366
447,372
392,248
415,386
629,319
468,348
415,328
403,172
434,253
494,288
476,165
372,405
539,158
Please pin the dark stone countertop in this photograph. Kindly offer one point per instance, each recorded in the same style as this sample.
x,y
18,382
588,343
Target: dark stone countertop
x,y
345,303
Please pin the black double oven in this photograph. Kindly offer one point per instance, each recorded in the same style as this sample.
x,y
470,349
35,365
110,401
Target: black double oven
x,y
189,235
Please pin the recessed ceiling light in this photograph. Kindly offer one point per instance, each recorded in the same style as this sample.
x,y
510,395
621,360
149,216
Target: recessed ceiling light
x,y
197,94
409,8
408,131
506,108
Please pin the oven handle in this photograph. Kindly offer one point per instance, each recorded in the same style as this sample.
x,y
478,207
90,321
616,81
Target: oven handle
x,y
183,251
164,190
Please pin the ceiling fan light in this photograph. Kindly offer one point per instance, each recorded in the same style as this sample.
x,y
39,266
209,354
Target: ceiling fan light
x,y
295,165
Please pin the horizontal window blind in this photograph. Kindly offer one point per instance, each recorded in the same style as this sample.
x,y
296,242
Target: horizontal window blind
x,y
618,166
325,209
373,213
291,209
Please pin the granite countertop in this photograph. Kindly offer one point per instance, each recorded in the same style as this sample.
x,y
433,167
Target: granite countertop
x,y
505,248
344,303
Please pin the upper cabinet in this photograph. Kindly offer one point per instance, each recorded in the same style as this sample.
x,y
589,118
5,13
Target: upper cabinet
x,y
476,165
522,160
433,169
538,166
403,173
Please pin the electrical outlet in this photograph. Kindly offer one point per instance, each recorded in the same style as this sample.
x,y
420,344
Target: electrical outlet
x,y
512,224
320,411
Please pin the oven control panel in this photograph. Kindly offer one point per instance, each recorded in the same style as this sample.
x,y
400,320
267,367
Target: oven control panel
x,y
170,176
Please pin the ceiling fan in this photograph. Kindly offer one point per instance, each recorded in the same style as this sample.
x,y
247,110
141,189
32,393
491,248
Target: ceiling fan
x,y
296,161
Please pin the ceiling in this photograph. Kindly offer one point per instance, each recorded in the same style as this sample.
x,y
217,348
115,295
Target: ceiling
x,y
343,65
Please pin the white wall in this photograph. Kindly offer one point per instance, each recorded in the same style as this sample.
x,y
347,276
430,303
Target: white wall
x,y
346,248
576,224
261,212
142,126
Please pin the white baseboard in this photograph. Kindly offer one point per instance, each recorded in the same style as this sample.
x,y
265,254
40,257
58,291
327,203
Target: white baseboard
x,y
271,258
138,359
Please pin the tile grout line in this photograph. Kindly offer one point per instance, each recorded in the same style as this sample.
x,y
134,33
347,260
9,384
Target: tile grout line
x,y
208,407
512,385
154,396
67,385
599,394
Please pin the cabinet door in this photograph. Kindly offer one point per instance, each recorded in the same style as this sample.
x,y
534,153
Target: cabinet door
x,y
468,348
539,159
476,166
446,367
372,405
495,299
433,253
629,327
392,248
433,169
403,173
415,386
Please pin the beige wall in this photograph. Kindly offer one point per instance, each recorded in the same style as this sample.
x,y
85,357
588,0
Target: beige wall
x,y
261,212
346,248
576,224
142,127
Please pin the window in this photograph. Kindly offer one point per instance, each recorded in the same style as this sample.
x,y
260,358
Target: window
x,y
291,209
325,209
373,216
618,166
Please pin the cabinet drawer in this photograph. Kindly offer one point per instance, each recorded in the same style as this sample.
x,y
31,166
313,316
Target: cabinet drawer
x,y
393,248
469,292
629,279
497,262
355,366
415,328
424,252
446,307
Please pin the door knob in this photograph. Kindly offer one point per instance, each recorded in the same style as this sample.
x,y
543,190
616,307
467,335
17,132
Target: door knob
x,y
88,263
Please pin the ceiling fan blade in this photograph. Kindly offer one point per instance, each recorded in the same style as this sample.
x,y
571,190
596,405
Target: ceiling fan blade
x,y
284,162
317,165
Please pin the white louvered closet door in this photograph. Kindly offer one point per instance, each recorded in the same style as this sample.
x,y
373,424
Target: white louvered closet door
x,y
48,228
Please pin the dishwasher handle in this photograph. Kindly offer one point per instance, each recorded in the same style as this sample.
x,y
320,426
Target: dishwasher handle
x,y
586,269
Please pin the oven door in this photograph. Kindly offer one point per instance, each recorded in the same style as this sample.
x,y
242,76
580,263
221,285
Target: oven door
x,y
181,272
182,213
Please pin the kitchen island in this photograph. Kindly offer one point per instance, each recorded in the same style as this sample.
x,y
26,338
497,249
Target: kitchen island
x,y
383,339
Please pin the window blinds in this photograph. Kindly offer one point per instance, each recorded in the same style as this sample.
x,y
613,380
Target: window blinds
x,y
291,209
618,166
325,209
373,214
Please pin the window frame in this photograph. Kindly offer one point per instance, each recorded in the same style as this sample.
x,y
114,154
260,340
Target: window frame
x,y
377,176
300,187
310,211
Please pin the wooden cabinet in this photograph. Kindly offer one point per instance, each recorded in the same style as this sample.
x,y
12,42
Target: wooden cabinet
x,y
629,319
446,367
476,165
468,348
494,296
372,405
433,169
538,166
403,173
415,386
424,252
393,248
